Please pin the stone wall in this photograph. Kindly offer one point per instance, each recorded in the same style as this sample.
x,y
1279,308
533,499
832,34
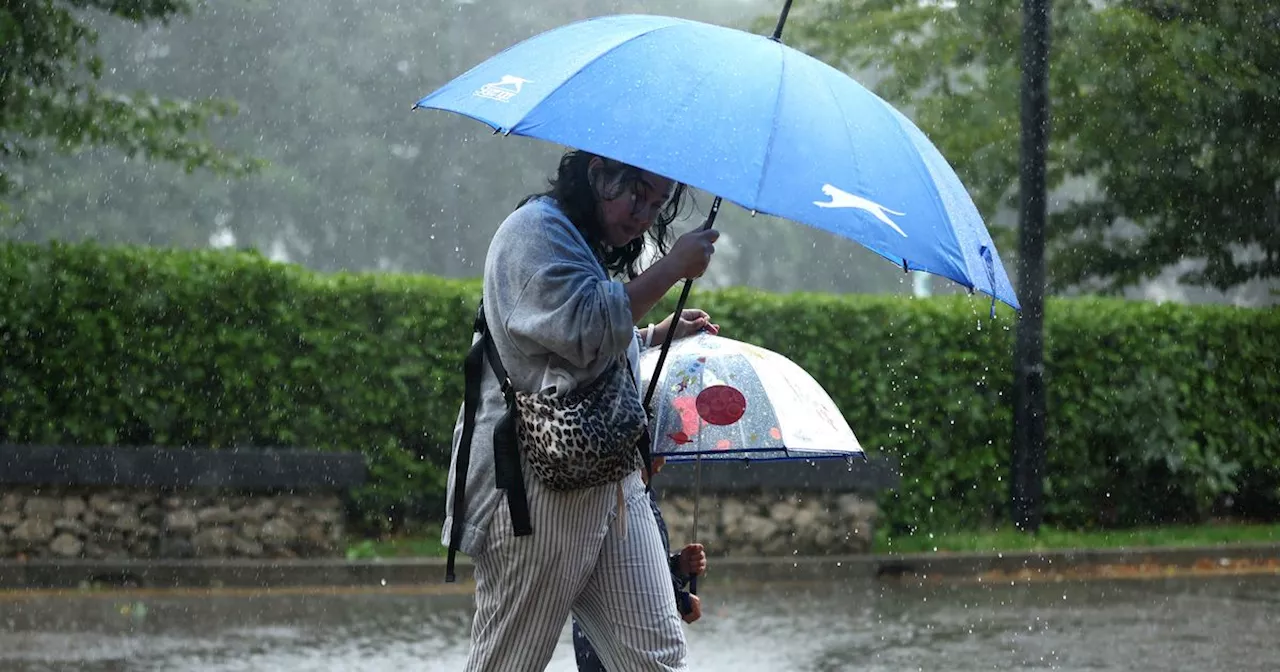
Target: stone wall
x,y
118,523
759,524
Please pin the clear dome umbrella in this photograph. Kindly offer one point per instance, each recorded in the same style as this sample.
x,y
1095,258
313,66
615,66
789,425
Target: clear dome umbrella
x,y
721,399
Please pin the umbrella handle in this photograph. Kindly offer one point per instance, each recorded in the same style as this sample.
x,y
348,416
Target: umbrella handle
x,y
671,333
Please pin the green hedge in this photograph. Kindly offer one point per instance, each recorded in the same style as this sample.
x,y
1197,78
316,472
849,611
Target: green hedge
x,y
156,347
1157,413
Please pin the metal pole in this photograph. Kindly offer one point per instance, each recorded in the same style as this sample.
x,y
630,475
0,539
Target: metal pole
x,y
675,320
697,498
1027,482
782,21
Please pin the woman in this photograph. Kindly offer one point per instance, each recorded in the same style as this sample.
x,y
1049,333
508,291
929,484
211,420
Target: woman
x,y
558,320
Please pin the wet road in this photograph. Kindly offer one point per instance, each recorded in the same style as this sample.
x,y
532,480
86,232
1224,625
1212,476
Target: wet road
x,y
1224,623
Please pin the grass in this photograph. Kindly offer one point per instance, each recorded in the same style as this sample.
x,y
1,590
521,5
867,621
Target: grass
x,y
988,541
408,546
985,541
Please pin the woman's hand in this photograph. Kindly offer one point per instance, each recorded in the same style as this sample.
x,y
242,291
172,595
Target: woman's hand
x,y
692,320
692,252
688,258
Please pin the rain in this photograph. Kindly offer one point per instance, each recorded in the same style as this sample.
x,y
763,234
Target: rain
x,y
240,271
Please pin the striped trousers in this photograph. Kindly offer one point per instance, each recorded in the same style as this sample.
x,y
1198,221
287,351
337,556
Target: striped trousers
x,y
610,573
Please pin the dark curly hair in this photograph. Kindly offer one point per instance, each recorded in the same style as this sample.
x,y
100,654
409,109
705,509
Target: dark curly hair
x,y
571,188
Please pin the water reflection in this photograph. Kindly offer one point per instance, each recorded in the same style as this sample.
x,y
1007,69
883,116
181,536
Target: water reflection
x,y
1192,624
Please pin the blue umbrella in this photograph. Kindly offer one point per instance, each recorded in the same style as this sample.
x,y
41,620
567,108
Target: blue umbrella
x,y
743,117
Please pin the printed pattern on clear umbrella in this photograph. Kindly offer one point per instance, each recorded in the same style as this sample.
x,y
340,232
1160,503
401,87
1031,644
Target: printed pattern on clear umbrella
x,y
745,118
721,398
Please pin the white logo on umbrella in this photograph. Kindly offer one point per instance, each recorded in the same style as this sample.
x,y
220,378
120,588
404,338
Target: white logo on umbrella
x,y
502,90
843,199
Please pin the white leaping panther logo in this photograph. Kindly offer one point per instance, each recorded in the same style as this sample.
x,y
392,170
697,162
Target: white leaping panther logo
x,y
502,90
843,199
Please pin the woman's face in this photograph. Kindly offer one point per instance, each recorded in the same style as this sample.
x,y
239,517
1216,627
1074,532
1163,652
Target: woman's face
x,y
630,213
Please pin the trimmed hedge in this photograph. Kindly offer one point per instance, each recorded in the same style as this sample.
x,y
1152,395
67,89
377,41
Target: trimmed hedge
x,y
143,347
1157,413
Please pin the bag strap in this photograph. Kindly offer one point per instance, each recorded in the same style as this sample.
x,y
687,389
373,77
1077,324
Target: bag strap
x,y
516,498
646,455
507,474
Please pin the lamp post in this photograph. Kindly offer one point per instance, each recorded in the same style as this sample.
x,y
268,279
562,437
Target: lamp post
x,y
1028,464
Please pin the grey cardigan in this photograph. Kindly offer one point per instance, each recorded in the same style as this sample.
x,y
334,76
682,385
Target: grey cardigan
x,y
556,319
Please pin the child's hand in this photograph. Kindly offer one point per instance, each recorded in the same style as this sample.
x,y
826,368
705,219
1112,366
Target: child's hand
x,y
692,321
695,610
693,560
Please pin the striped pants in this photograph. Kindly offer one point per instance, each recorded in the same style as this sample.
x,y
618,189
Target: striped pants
x,y
611,574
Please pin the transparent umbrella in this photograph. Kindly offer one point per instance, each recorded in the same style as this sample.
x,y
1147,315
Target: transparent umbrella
x,y
718,398
722,399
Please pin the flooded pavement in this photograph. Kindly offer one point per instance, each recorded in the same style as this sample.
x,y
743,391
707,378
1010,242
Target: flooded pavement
x,y
1219,623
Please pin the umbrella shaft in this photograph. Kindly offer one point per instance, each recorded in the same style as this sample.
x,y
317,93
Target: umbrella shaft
x,y
675,319
697,498
782,21
697,495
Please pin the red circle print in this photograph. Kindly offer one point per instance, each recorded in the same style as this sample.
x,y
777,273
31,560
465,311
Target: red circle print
x,y
721,405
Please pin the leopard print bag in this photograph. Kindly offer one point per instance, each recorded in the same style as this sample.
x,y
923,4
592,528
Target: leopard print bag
x,y
587,438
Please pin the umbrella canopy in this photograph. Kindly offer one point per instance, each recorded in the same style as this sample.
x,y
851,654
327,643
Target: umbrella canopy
x,y
743,117
718,398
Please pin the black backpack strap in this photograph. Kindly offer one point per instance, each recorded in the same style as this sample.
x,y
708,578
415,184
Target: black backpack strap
x,y
506,449
506,452
471,401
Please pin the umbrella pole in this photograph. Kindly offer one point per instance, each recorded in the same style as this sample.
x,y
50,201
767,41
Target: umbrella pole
x,y
782,21
697,480
697,498
671,333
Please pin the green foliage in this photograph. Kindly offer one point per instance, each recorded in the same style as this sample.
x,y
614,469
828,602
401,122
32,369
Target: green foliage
x,y
404,546
50,94
1049,538
145,347
1156,413
1165,116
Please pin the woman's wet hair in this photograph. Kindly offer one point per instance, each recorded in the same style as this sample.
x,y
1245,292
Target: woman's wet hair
x,y
572,189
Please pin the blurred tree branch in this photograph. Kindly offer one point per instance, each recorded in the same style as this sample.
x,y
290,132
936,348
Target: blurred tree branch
x,y
50,95
1165,142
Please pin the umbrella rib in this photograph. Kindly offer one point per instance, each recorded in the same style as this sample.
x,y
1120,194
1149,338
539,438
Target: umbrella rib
x,y
773,127
848,133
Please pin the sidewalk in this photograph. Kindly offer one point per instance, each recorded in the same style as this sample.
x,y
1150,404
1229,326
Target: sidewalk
x,y
1022,566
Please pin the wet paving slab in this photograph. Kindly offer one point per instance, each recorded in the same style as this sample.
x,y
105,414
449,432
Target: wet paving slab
x,y
1163,623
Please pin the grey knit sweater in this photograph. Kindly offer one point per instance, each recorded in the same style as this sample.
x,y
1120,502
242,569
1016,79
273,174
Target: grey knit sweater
x,y
556,319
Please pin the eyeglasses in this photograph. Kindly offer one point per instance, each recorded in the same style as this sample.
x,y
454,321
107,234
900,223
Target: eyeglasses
x,y
642,207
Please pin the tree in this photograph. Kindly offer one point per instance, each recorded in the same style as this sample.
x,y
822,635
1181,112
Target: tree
x,y
50,94
1165,140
